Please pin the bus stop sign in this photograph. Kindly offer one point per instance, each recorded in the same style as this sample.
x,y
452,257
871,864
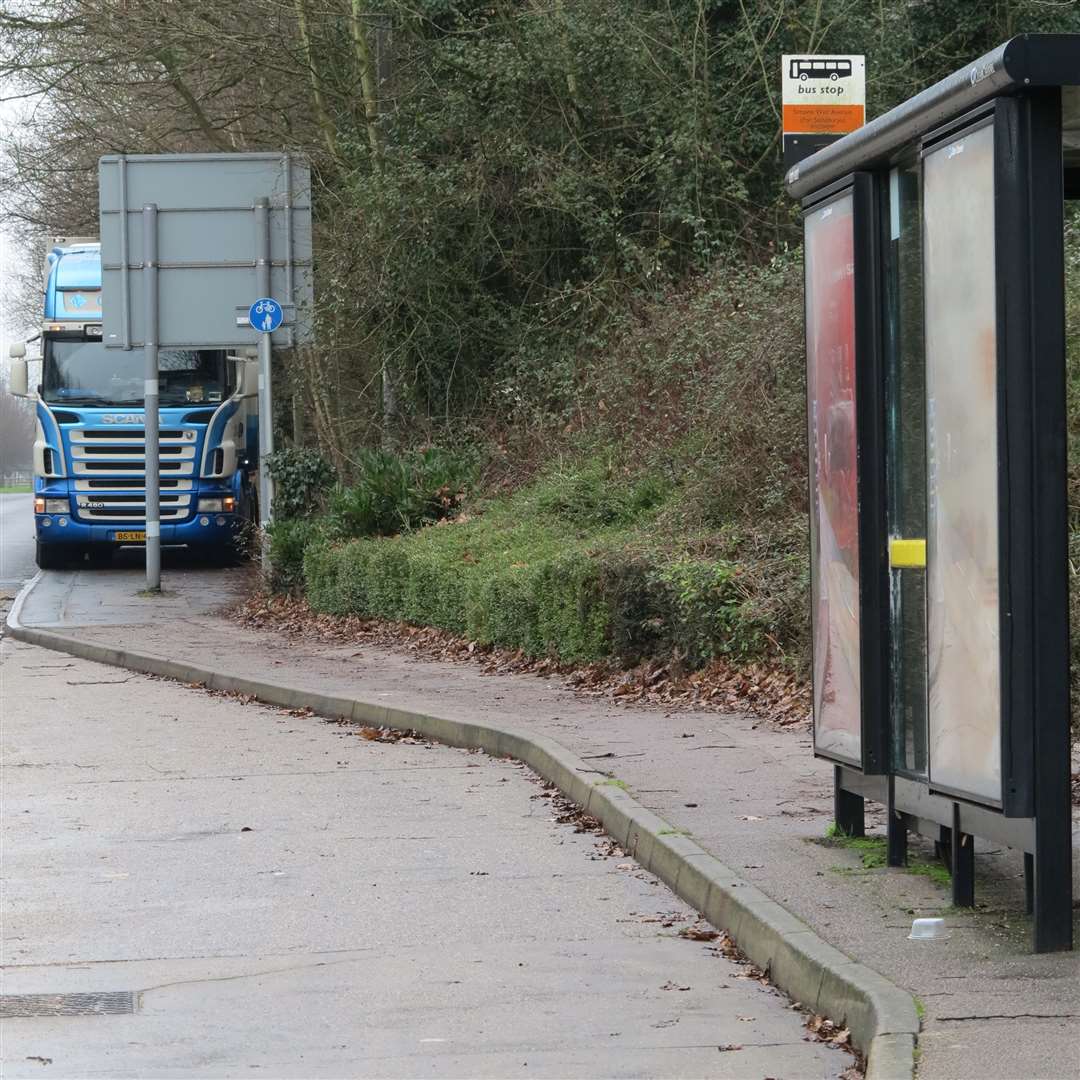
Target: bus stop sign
x,y
824,98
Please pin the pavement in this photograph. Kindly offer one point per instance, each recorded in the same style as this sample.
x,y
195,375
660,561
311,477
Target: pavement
x,y
196,886
753,796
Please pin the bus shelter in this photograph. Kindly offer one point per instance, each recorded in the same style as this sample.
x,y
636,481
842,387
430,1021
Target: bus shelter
x,y
935,340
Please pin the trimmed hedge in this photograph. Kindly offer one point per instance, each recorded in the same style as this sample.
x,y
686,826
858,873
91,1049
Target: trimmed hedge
x,y
530,586
568,566
289,539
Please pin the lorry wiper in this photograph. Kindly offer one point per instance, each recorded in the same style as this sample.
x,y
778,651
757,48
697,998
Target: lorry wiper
x,y
95,399
79,399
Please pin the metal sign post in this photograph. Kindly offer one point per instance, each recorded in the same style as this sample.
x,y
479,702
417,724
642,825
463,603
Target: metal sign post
x,y
225,228
152,430
266,398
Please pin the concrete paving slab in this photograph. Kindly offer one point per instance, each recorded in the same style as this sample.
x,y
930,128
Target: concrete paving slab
x,y
395,909
761,803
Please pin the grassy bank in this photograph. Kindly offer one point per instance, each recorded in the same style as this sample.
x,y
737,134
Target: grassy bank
x,y
659,513
574,565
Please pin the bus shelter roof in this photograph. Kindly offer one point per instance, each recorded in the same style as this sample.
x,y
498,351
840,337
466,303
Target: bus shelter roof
x,y
1029,60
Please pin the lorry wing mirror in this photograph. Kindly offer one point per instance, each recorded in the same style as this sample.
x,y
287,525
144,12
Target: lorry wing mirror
x,y
18,383
17,350
249,379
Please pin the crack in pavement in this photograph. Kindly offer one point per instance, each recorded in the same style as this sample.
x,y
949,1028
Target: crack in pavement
x,y
1009,1016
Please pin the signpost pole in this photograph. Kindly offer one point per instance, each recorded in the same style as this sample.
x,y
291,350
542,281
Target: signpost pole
x,y
266,400
151,430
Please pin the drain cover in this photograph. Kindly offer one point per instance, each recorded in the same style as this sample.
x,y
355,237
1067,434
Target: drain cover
x,y
112,1002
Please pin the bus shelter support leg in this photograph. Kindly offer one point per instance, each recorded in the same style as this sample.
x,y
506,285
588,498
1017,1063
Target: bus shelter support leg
x,y
848,808
896,832
963,864
1052,897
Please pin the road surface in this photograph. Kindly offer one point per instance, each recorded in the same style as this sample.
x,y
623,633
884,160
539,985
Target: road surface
x,y
229,890
16,541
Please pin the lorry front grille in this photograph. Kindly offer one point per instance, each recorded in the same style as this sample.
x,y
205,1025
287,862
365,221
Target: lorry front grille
x,y
112,435
136,484
130,506
109,471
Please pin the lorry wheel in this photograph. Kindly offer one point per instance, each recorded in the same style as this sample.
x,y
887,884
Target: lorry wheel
x,y
48,556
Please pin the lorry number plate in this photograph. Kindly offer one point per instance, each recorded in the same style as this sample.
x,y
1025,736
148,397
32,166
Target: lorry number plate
x,y
131,536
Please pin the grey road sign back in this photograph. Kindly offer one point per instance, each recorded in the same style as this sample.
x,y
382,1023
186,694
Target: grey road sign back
x,y
206,245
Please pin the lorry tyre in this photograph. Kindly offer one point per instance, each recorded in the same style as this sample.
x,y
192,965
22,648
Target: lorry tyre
x,y
48,556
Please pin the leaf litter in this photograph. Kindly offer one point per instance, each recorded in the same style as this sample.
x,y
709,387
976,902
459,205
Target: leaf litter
x,y
766,691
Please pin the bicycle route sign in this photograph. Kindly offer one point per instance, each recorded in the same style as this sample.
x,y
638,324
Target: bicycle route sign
x,y
265,315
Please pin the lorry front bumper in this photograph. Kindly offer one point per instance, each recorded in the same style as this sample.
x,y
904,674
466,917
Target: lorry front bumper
x,y
203,530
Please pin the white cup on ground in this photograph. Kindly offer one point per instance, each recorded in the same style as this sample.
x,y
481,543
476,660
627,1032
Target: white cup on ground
x,y
927,929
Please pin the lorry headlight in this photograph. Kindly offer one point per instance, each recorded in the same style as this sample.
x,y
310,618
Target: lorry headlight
x,y
210,506
39,504
56,506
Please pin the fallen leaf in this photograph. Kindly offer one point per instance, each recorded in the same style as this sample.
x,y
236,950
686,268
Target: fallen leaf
x,y
699,933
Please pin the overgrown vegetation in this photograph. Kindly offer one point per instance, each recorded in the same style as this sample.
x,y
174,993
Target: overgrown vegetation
x,y
568,566
302,477
553,244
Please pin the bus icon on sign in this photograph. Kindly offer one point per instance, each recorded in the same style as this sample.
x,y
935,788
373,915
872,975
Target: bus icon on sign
x,y
820,69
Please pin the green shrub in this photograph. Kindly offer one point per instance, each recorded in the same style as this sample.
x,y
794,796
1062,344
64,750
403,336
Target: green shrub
x,y
322,579
709,611
289,538
301,479
392,493
593,494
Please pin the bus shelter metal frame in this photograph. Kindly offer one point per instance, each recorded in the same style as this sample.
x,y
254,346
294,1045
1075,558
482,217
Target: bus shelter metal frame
x,y
1018,89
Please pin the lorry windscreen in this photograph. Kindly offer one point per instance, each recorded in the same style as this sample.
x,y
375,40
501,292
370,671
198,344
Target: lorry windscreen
x,y
78,371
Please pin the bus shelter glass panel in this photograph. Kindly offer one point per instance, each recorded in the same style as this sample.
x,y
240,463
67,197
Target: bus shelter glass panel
x,y
963,624
834,527
905,378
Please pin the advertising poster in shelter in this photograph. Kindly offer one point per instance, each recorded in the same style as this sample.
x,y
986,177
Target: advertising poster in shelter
x,y
963,604
830,333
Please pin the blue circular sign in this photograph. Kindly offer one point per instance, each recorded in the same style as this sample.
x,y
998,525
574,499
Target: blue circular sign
x,y
265,315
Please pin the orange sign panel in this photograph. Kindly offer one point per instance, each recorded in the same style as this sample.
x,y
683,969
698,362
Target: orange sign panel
x,y
823,118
